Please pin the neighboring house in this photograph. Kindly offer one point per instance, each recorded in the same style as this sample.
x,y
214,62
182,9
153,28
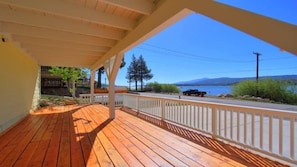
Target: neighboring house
x,y
54,85
49,80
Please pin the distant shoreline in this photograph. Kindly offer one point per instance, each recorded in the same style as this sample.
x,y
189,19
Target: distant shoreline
x,y
231,81
205,84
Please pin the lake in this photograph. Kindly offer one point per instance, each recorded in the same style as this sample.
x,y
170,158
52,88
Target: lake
x,y
210,89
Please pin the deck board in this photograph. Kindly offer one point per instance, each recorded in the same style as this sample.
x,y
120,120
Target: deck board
x,y
82,135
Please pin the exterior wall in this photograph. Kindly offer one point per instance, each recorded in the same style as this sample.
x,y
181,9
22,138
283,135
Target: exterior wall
x,y
19,85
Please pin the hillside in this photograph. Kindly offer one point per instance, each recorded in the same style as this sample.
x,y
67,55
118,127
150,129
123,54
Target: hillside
x,y
231,81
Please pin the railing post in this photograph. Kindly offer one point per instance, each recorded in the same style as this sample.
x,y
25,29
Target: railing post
x,y
137,104
162,109
213,122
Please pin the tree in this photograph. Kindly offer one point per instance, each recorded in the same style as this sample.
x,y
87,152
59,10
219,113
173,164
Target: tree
x,y
144,72
138,71
132,71
101,71
99,74
70,76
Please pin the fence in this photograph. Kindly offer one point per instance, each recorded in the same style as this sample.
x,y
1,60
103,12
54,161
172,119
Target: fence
x,y
270,132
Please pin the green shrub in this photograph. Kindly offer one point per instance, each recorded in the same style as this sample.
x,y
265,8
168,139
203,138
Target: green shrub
x,y
244,88
154,86
162,88
276,90
169,88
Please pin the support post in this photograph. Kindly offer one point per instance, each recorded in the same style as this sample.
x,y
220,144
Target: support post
x,y
111,67
111,100
92,82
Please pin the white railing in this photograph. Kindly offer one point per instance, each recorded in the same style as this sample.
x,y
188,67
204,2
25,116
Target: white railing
x,y
271,132
267,131
101,98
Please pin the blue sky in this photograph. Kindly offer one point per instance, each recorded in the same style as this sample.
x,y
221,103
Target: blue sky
x,y
199,47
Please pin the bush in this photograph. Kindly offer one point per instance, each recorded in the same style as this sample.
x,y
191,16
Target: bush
x,y
276,90
162,88
169,88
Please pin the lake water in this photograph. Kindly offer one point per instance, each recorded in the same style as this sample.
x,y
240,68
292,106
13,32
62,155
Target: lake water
x,y
210,90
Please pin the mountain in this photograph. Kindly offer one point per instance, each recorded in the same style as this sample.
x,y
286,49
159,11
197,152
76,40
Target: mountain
x,y
230,81
191,81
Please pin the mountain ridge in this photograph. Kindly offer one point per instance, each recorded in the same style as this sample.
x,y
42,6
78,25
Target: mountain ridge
x,y
231,81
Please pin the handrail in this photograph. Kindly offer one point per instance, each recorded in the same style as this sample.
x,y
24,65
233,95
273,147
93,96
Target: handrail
x,y
101,98
267,131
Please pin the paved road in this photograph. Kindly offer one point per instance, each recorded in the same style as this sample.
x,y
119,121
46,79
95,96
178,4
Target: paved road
x,y
229,101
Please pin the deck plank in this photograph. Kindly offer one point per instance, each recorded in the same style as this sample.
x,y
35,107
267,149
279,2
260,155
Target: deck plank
x,y
77,158
43,140
185,146
124,137
193,153
53,148
21,144
25,158
82,135
87,150
7,138
64,150
100,152
111,134
115,157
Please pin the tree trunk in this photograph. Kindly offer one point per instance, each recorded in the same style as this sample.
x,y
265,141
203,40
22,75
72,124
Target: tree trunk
x,y
136,85
99,85
73,90
141,85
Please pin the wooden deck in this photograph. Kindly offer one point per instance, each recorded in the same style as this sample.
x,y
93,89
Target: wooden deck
x,y
82,135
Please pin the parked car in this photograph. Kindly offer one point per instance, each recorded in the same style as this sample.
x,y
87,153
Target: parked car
x,y
194,92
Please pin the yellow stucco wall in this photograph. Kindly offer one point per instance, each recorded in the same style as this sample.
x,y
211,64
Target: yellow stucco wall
x,y
19,85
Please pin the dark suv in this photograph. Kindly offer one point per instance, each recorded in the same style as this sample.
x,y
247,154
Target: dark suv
x,y
194,92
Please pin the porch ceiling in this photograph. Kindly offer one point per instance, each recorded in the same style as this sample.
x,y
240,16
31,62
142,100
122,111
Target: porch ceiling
x,y
71,32
85,33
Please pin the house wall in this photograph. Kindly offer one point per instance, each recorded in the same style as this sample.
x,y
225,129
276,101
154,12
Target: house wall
x,y
19,85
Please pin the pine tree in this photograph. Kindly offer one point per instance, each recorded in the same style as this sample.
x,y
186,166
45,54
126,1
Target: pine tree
x,y
138,71
144,72
132,71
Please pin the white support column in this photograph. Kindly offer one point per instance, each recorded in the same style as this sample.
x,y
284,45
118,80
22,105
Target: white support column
x,y
92,81
111,67
111,99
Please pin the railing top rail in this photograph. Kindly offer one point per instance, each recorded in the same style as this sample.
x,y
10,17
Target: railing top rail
x,y
96,94
275,112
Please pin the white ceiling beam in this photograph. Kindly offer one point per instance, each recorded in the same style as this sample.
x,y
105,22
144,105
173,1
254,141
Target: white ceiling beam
x,y
64,63
55,43
50,49
74,11
31,31
66,58
68,47
275,32
63,53
140,6
58,23
167,13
